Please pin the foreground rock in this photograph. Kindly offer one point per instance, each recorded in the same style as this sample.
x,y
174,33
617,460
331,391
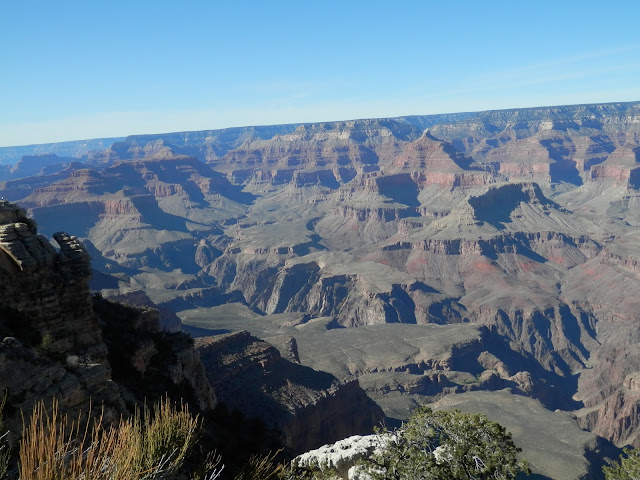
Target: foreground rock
x,y
59,342
341,457
309,407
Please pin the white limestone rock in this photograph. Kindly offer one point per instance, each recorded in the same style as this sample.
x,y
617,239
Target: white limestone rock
x,y
342,455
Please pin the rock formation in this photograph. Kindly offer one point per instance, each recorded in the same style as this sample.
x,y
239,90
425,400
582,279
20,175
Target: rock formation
x,y
59,342
309,407
53,342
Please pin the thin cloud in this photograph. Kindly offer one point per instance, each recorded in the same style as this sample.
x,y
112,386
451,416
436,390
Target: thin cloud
x,y
285,86
561,66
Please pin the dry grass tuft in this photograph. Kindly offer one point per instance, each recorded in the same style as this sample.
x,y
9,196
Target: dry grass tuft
x,y
145,447
151,445
5,452
261,468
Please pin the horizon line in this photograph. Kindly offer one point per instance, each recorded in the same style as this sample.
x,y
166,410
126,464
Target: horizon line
x,y
474,112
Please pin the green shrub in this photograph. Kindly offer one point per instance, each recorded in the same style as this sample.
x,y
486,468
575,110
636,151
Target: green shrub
x,y
165,437
448,445
626,468
47,342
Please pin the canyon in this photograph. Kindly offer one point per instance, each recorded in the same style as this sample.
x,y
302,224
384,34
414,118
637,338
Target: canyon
x,y
78,352
440,259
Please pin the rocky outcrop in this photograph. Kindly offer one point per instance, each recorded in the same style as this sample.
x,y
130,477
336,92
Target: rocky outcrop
x,y
50,287
309,407
609,388
616,418
149,362
379,214
59,342
350,297
53,345
430,161
341,457
621,167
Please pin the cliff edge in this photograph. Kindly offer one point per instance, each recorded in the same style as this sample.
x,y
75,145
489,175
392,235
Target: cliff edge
x,y
57,341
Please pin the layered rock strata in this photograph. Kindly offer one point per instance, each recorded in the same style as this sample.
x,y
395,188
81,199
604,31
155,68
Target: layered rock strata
x,y
309,407
58,343
523,220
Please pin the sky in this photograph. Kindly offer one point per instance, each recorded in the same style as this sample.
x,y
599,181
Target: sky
x,y
72,70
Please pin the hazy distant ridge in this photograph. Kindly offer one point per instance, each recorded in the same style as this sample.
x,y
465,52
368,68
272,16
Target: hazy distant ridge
x,y
229,138
74,148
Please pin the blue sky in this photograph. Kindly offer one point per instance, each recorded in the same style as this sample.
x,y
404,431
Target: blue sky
x,y
85,69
